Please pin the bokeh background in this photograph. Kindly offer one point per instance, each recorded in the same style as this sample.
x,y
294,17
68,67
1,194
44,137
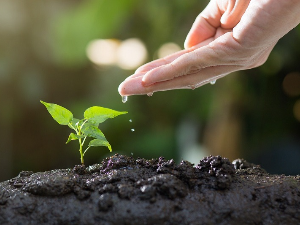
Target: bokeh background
x,y
75,53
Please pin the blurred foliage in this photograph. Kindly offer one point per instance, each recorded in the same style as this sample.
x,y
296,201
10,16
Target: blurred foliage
x,y
90,20
152,21
42,56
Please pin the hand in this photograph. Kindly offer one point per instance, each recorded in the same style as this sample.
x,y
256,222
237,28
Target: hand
x,y
229,35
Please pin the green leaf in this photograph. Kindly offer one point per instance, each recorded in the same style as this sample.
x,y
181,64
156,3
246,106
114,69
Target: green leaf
x,y
73,137
97,114
92,131
100,142
59,113
73,123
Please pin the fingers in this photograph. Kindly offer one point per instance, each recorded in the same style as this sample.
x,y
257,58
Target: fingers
x,y
186,64
204,26
234,10
156,63
166,60
218,52
159,62
225,14
135,87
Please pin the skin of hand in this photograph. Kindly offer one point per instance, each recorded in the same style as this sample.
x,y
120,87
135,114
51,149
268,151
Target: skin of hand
x,y
227,36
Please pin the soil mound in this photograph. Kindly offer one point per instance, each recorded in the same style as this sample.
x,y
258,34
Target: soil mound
x,y
124,190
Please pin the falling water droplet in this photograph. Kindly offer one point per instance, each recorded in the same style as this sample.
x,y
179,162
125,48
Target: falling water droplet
x,y
130,120
213,82
132,130
150,94
124,99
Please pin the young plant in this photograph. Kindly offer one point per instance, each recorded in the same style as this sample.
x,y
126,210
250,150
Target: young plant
x,y
86,127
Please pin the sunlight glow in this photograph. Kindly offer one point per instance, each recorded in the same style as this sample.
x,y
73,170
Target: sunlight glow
x,y
103,51
297,110
291,84
167,49
131,54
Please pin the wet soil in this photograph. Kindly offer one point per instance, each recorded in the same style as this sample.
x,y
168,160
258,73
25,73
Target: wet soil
x,y
124,190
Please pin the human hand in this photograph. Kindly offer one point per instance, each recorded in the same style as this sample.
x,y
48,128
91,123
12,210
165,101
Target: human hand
x,y
229,35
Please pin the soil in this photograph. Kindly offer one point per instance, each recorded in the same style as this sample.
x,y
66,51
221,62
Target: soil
x,y
124,190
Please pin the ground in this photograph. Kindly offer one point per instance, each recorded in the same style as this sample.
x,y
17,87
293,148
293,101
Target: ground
x,y
124,190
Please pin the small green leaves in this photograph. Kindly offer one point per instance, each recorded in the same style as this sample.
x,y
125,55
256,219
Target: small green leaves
x,y
85,128
59,113
92,131
97,114
99,142
73,137
73,123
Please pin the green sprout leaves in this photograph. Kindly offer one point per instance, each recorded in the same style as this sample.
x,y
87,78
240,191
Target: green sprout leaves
x,y
59,113
87,127
99,114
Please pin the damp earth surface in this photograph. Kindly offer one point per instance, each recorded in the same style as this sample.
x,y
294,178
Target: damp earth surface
x,y
127,190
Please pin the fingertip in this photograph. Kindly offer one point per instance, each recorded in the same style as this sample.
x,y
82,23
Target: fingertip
x,y
145,81
131,87
140,69
151,77
126,88
122,89
186,44
191,40
233,14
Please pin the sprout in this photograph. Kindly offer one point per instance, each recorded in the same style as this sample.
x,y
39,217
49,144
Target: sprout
x,y
87,127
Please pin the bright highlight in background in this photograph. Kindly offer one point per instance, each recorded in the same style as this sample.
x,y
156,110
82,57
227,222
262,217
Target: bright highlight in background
x,y
167,49
291,84
128,54
103,51
297,110
131,54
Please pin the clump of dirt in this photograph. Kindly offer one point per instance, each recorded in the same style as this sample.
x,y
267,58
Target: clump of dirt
x,y
124,190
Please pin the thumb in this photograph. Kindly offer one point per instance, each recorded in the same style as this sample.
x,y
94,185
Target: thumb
x,y
204,26
234,10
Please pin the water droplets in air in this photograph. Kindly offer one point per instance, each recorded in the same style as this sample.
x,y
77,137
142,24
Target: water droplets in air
x,y
132,129
124,99
212,82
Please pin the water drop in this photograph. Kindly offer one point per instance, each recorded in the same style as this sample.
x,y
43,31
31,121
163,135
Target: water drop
x,y
132,130
124,99
213,82
130,120
150,94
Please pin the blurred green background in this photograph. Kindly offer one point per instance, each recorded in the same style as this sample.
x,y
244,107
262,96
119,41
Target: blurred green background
x,y
75,53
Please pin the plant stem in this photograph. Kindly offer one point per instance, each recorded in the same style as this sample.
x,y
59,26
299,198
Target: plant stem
x,y
73,127
83,140
85,150
80,151
78,131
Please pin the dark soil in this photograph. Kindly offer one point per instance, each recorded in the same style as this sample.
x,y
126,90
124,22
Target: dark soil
x,y
124,190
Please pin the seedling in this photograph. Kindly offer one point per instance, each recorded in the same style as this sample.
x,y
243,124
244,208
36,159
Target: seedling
x,y
87,127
